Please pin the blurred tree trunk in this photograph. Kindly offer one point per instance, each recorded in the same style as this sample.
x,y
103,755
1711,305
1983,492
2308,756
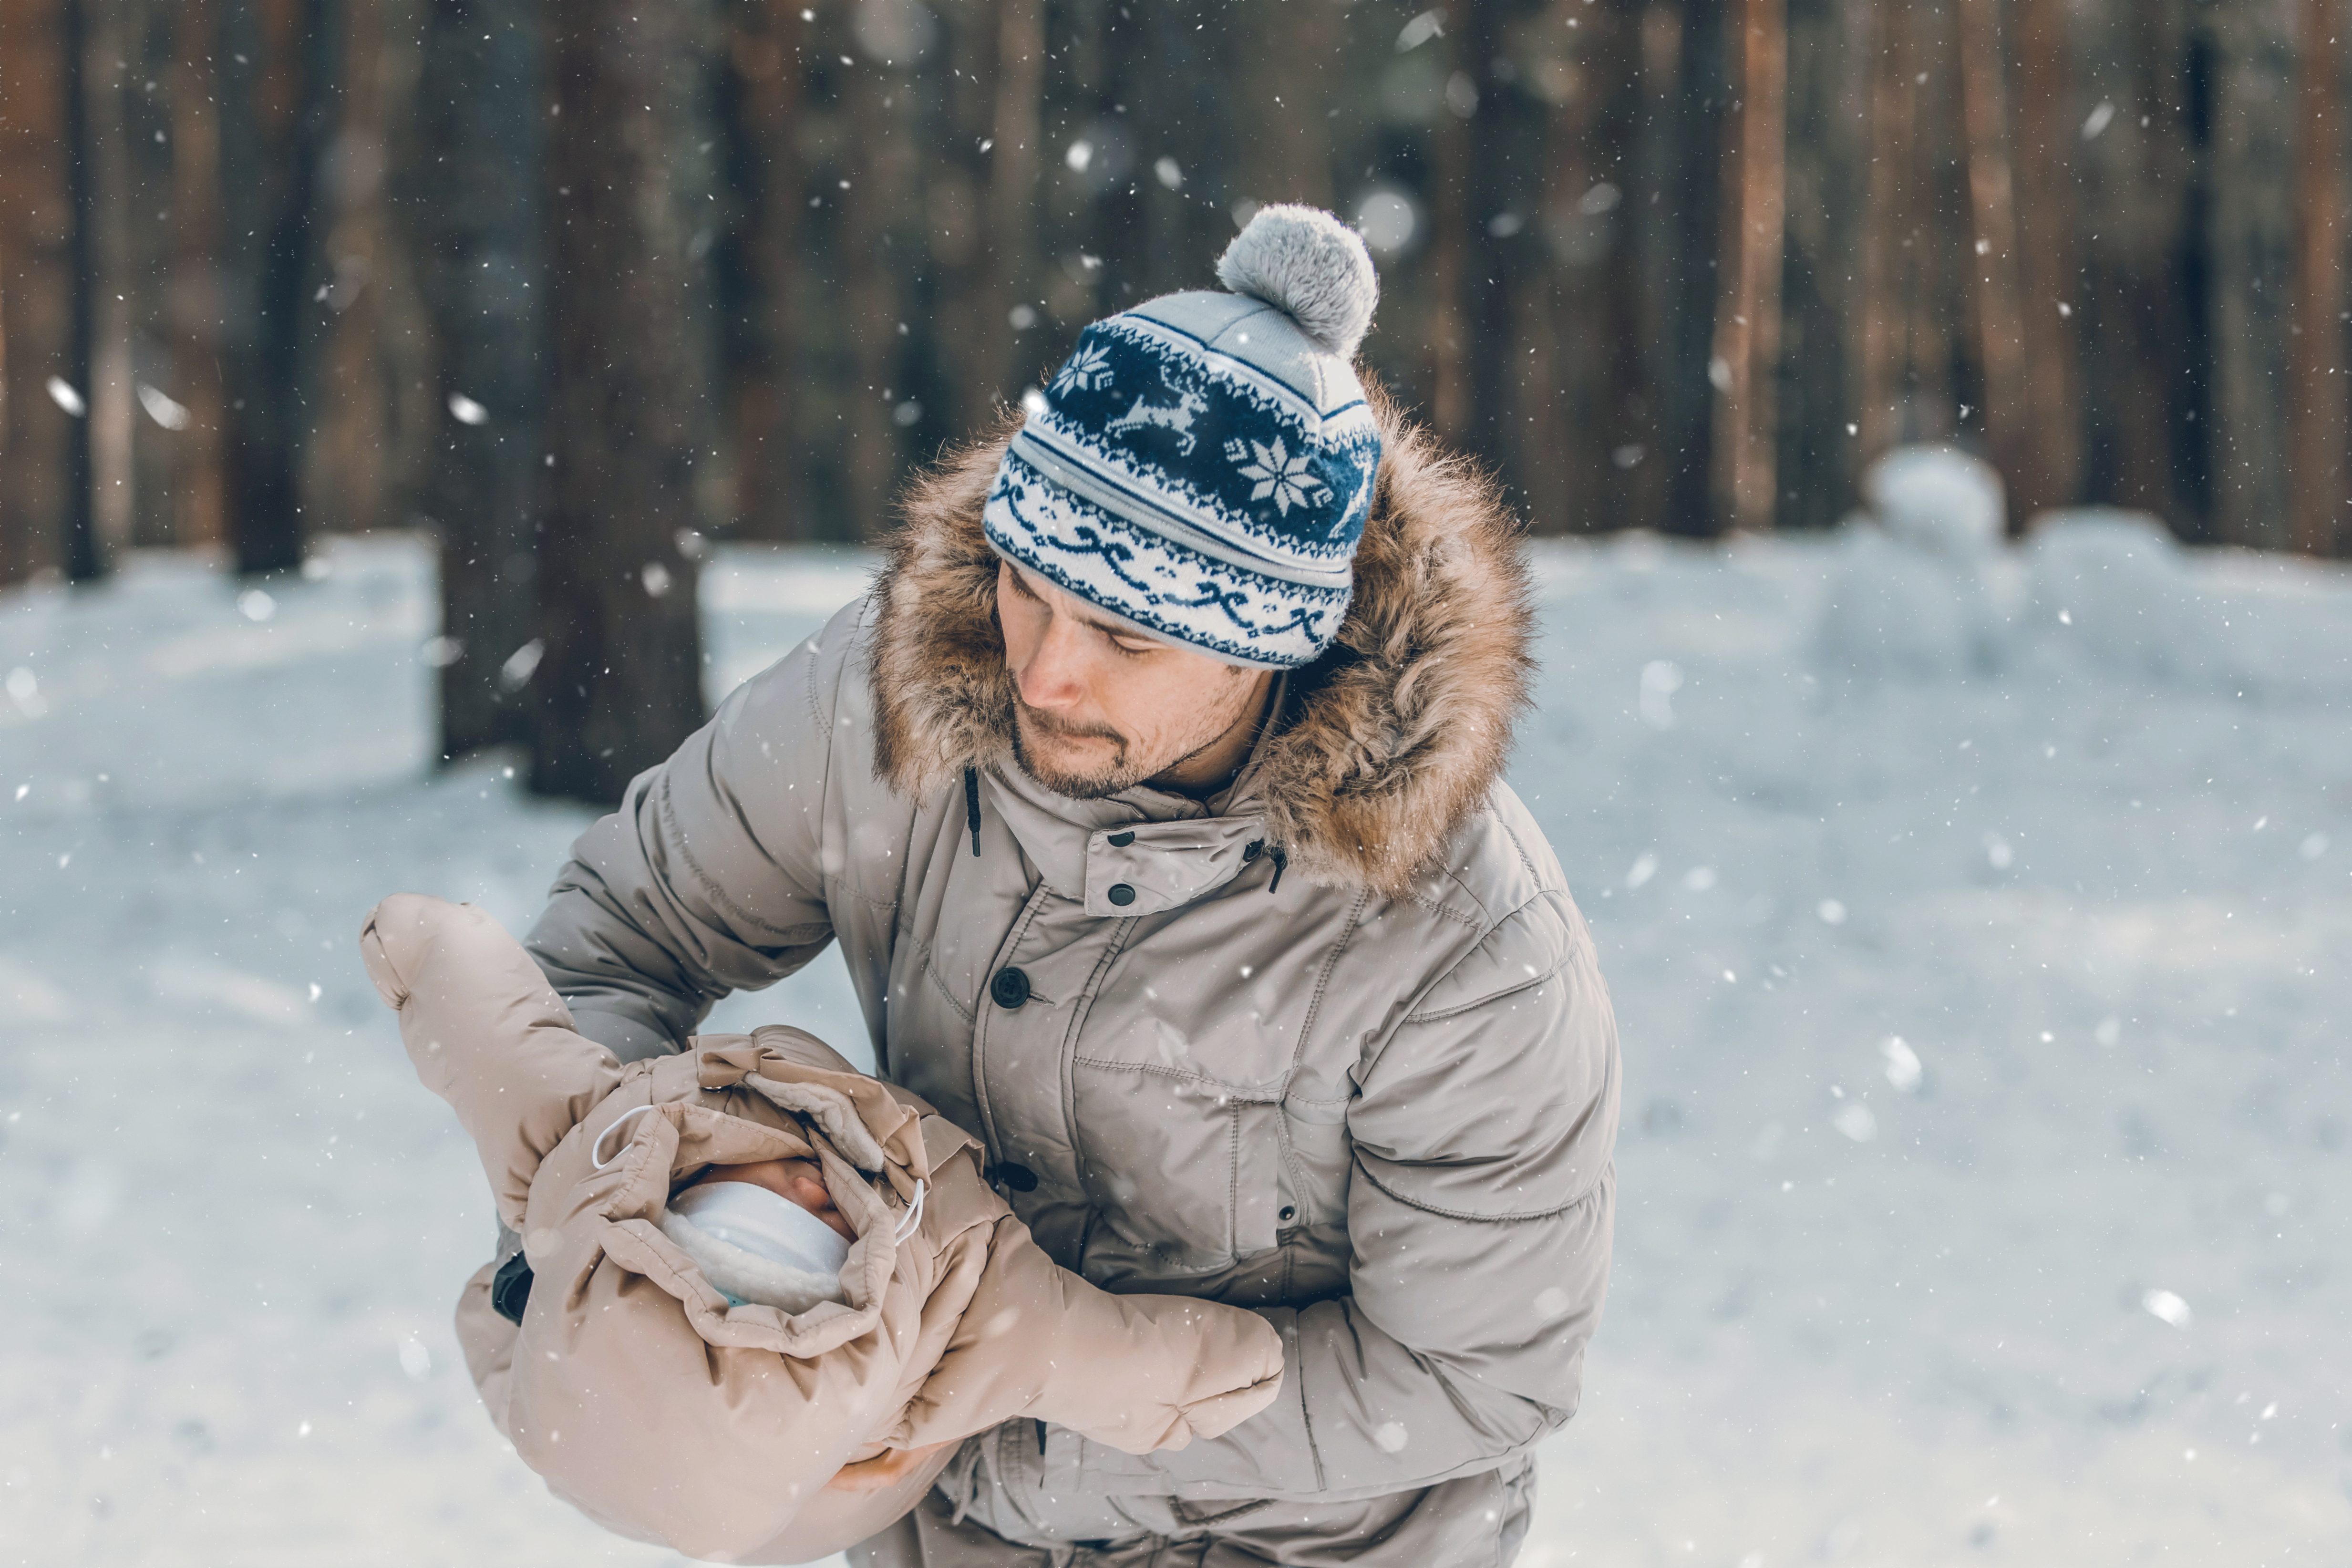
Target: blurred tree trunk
x,y
1452,407
1585,458
345,463
2317,400
2047,273
140,263
1683,53
967,332
1013,206
45,500
273,108
2140,375
872,302
1880,345
1286,86
199,296
112,279
620,683
1829,161
479,217
1746,365
765,64
2009,413
85,559
2251,228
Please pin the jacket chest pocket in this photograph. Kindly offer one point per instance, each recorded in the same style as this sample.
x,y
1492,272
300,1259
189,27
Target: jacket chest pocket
x,y
1184,1174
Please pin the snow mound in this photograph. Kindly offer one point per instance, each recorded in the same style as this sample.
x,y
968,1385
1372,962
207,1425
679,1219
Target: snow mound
x,y
1937,499
1908,598
1895,613
2115,589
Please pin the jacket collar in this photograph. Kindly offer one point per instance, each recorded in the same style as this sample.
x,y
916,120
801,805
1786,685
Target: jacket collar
x,y
1379,749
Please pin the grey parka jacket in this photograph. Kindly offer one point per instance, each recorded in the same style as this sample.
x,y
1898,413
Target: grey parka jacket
x,y
1333,1046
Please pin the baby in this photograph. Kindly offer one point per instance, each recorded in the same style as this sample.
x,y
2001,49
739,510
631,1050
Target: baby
x,y
749,1266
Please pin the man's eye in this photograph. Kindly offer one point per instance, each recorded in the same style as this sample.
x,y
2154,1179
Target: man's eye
x,y
1125,645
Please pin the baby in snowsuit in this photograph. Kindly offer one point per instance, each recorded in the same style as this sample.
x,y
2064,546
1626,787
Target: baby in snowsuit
x,y
749,1265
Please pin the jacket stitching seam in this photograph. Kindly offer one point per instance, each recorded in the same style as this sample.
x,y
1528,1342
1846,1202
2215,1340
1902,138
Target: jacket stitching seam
x,y
1440,1016
1433,907
1306,1411
709,888
1578,1202
1080,1011
1525,858
932,975
982,1100
1455,878
1236,1092
1288,1153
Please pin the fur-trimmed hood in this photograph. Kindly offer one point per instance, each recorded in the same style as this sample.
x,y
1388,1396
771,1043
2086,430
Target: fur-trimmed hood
x,y
1384,744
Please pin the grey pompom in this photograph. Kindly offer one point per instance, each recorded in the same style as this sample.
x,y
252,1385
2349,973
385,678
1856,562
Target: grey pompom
x,y
1305,262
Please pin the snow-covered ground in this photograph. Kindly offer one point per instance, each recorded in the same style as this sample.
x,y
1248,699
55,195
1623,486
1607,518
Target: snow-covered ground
x,y
2061,1278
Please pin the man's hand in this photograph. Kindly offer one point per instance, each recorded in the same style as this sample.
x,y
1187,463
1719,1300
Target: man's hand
x,y
882,1471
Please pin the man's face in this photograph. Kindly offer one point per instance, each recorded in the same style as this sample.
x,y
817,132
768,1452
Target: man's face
x,y
1103,707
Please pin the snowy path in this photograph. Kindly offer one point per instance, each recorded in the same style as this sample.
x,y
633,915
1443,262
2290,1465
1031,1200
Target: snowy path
x,y
2103,895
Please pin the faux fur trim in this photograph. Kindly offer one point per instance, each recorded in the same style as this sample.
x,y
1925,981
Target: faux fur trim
x,y
1386,744
745,1275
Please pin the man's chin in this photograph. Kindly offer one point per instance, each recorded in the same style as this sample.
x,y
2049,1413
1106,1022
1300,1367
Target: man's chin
x,y
1081,769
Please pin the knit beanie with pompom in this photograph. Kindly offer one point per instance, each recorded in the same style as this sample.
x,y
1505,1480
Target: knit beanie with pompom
x,y
1204,463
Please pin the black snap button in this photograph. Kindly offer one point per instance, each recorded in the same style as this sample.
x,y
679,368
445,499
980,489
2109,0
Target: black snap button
x,y
1255,848
1121,894
1288,1215
1020,1178
1010,988
1121,840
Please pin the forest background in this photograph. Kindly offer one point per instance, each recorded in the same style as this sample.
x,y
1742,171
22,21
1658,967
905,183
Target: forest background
x,y
583,288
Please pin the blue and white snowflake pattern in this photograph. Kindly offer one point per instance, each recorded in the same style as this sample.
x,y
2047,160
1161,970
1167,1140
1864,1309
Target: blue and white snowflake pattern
x,y
1088,370
1290,480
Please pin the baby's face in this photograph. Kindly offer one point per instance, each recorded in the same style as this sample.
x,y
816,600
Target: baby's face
x,y
796,1181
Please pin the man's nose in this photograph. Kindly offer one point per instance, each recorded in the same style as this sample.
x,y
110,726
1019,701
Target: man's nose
x,y
1051,677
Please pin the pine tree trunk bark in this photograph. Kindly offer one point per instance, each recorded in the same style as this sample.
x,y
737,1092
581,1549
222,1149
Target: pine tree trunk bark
x,y
44,309
1744,366
478,227
2251,246
2317,427
271,101
620,682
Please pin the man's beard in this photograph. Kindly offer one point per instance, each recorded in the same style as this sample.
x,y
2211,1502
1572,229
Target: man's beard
x,y
1099,783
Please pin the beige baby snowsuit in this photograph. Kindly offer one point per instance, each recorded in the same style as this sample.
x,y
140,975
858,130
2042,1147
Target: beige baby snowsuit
x,y
646,1398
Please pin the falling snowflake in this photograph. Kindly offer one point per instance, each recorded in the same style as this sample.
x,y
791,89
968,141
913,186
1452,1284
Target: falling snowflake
x,y
1278,474
1088,370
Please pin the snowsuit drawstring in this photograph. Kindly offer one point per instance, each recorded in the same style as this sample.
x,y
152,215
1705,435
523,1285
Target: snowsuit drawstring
x,y
972,806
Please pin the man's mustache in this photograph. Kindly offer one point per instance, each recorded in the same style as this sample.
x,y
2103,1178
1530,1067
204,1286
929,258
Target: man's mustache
x,y
1054,725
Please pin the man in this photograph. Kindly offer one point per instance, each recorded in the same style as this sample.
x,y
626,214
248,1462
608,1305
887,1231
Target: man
x,y
1154,797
